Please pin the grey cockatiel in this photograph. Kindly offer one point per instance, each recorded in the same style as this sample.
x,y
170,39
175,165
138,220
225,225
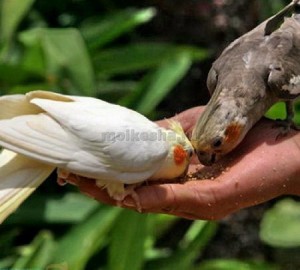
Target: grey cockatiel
x,y
253,72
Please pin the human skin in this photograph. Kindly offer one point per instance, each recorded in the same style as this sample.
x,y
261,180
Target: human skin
x,y
259,169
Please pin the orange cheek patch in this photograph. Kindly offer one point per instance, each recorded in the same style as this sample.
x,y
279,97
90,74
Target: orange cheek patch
x,y
179,155
233,132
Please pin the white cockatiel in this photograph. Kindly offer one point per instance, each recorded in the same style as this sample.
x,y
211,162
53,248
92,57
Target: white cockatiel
x,y
41,131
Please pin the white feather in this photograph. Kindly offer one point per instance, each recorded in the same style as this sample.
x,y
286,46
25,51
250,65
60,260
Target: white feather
x,y
71,135
20,176
85,136
15,105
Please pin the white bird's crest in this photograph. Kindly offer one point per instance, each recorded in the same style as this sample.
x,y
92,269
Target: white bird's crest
x,y
176,127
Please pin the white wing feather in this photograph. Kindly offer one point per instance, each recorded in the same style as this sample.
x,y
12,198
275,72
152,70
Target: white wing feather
x,y
71,135
20,176
15,105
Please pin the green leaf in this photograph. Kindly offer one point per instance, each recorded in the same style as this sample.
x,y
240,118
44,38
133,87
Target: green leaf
x,y
141,56
127,248
112,91
194,241
159,225
38,254
131,58
270,7
24,88
12,12
66,51
162,223
297,112
65,56
280,225
192,233
38,209
7,238
7,262
13,74
98,33
158,84
231,264
277,111
83,240
115,87
33,58
172,64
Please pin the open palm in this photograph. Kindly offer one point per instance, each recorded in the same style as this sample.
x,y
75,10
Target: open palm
x,y
259,169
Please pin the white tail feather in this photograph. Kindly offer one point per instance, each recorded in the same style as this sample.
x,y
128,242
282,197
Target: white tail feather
x,y
19,177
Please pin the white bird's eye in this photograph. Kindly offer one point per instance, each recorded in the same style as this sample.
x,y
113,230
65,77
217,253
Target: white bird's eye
x,y
212,80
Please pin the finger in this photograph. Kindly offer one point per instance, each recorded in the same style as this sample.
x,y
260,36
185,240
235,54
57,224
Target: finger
x,y
195,199
88,187
260,171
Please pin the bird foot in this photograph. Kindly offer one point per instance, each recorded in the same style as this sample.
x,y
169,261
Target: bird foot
x,y
62,177
119,192
285,126
129,191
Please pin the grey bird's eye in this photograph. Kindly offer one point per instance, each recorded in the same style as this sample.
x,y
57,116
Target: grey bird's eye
x,y
217,142
212,80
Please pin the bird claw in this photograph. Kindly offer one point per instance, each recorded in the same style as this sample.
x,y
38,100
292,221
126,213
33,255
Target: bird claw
x,y
129,191
285,126
62,177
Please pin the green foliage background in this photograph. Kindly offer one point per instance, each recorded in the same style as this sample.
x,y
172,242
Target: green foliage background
x,y
83,51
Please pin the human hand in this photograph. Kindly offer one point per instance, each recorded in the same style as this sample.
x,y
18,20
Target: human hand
x,y
259,169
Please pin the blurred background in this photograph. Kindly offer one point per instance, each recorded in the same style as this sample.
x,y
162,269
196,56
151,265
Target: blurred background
x,y
152,56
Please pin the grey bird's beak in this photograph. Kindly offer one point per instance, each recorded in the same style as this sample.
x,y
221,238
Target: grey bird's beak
x,y
206,159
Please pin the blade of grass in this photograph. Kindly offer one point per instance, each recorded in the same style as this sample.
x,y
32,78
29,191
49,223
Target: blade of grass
x,y
13,74
132,58
297,112
231,264
24,88
137,57
195,240
7,262
66,58
127,248
99,33
159,224
11,14
280,225
84,239
66,51
277,111
158,84
38,254
66,209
